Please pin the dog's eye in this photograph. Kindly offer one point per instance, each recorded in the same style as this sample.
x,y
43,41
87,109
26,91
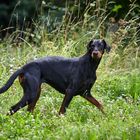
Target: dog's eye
x,y
93,46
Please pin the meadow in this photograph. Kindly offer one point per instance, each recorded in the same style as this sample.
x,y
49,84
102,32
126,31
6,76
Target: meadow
x,y
117,87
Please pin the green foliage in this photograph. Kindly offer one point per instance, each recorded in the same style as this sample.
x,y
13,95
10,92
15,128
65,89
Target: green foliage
x,y
118,91
134,88
20,15
117,85
116,8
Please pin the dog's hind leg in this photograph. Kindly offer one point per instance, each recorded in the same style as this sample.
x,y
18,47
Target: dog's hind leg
x,y
23,102
30,88
31,106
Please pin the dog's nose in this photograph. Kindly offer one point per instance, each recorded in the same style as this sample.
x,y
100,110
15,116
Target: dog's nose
x,y
95,52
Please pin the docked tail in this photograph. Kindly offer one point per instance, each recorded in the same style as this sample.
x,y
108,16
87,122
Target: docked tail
x,y
10,81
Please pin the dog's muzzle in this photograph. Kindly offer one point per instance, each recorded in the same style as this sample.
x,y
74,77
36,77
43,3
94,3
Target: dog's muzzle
x,y
96,54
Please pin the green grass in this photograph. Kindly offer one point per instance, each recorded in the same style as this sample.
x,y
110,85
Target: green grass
x,y
117,89
117,86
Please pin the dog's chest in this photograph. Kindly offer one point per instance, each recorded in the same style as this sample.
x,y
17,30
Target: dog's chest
x,y
87,77
85,85
88,82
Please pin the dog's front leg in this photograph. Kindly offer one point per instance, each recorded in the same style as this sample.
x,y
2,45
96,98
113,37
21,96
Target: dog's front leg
x,y
92,100
66,101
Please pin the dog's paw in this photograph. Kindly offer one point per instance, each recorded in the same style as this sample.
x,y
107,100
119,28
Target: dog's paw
x,y
10,112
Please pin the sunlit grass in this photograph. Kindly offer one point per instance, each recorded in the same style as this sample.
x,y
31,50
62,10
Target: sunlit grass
x,y
117,90
117,87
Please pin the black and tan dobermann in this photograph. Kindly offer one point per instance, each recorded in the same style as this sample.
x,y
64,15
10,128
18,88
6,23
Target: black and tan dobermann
x,y
70,77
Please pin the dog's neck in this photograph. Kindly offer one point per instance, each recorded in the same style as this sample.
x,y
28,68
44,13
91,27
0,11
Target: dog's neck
x,y
92,62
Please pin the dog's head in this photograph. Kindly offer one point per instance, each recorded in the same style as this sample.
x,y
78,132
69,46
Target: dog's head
x,y
96,48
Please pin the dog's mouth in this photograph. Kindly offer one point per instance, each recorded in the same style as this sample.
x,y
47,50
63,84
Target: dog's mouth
x,y
96,54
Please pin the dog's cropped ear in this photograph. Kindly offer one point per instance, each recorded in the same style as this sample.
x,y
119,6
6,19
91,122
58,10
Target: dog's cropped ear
x,y
106,46
89,45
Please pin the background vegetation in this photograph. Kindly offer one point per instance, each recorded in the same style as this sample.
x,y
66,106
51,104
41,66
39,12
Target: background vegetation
x,y
42,28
